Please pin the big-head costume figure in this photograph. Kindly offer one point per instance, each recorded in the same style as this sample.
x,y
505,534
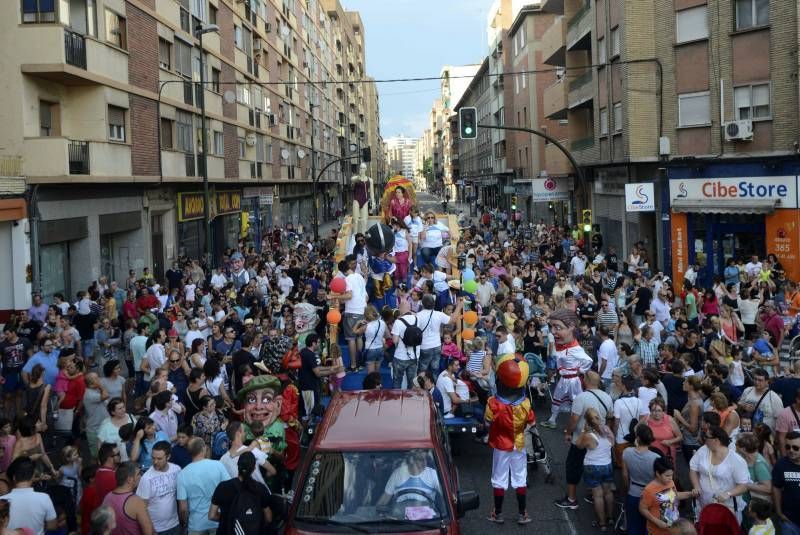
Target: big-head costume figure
x,y
508,415
262,402
239,275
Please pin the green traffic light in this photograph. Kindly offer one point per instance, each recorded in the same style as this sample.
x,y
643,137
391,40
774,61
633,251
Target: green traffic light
x,y
468,130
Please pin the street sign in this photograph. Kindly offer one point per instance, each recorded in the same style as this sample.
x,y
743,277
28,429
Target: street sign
x,y
267,199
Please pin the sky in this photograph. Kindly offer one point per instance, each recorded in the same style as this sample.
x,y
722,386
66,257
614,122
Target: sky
x,y
416,38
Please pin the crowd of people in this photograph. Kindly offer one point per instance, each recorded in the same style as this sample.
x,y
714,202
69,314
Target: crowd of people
x,y
176,403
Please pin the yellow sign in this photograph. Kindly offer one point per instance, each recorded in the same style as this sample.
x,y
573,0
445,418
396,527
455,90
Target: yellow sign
x,y
191,205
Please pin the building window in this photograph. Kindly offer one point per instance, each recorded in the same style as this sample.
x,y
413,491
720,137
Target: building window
x,y
242,148
603,121
183,58
752,101
164,53
166,133
184,15
38,11
524,80
237,37
183,131
116,123
219,144
46,118
601,51
750,13
618,117
691,24
215,74
115,29
212,14
616,45
694,109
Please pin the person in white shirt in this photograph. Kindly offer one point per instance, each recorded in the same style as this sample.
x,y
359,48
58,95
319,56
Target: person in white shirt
x,y
607,356
443,257
431,322
218,280
660,307
431,237
355,302
753,267
691,273
285,283
404,364
578,265
656,326
29,509
485,292
155,357
506,343
414,223
230,459
158,487
446,385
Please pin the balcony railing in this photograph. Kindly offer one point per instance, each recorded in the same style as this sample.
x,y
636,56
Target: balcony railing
x,y
576,18
74,49
581,144
581,80
78,157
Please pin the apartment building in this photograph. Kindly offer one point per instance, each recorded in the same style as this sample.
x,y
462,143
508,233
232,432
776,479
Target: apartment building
x,y
679,97
401,154
14,239
103,108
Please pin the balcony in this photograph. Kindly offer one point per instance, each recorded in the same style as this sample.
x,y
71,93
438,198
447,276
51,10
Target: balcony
x,y
53,158
556,162
584,150
554,43
61,55
555,100
581,89
553,6
579,29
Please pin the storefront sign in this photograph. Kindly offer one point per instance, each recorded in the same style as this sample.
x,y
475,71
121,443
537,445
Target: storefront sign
x,y
640,197
680,248
550,189
783,240
782,189
191,205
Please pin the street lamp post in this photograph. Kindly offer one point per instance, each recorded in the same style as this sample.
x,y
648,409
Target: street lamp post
x,y
199,31
314,175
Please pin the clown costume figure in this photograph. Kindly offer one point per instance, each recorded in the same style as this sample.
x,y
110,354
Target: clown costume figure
x,y
571,362
239,276
508,415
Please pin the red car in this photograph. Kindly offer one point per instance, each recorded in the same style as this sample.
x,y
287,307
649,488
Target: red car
x,y
379,462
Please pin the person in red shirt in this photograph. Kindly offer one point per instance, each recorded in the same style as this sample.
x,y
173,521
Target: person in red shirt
x,y
105,480
773,323
146,301
89,500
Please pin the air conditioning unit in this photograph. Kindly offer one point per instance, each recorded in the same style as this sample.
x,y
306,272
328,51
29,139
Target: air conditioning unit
x,y
268,27
738,130
250,140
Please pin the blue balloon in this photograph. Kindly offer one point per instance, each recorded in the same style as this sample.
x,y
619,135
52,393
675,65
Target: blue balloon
x,y
468,275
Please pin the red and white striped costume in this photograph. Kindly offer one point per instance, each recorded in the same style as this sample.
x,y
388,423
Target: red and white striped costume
x,y
572,362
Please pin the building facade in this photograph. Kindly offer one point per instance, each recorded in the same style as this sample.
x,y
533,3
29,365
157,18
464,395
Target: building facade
x,y
401,156
103,107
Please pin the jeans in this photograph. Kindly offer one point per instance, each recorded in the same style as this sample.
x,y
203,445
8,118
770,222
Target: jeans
x,y
407,368
429,359
172,531
429,254
636,522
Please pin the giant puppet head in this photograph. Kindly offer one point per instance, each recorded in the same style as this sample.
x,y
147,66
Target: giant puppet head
x,y
237,262
511,376
261,399
562,325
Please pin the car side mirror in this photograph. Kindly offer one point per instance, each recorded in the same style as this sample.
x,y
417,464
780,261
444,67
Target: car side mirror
x,y
468,500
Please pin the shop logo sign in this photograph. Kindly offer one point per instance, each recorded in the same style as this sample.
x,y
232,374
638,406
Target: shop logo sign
x,y
550,184
682,192
640,197
781,189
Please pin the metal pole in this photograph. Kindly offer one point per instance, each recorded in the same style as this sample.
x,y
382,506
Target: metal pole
x,y
314,177
204,137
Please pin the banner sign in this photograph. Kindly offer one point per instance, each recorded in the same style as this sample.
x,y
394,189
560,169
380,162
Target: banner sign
x,y
778,188
550,189
191,205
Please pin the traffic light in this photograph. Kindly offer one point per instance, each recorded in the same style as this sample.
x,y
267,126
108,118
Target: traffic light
x,y
468,123
586,220
366,155
513,202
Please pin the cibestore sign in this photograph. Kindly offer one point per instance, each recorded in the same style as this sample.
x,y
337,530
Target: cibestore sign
x,y
778,188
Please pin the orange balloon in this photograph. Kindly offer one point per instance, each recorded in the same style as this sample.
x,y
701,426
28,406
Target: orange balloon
x,y
471,317
468,334
334,317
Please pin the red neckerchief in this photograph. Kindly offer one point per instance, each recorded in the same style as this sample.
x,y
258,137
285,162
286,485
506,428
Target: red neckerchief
x,y
562,347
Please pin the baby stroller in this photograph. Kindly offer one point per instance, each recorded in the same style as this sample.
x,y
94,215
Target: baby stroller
x,y
716,518
538,386
537,454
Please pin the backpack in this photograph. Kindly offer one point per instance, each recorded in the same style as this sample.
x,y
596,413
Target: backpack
x,y
246,516
412,336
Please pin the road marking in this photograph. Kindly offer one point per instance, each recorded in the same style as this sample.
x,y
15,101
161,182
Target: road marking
x,y
569,522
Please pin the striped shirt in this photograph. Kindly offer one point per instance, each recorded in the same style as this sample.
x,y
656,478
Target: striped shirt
x,y
648,352
608,318
475,362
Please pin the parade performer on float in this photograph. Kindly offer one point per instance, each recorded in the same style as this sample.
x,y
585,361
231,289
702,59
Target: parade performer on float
x,y
508,415
571,362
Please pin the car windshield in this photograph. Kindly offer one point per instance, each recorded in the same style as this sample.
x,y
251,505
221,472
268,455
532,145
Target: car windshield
x,y
386,490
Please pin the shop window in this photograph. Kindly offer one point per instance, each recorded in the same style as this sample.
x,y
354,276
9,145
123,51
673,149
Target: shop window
x,y
752,101
691,24
694,109
751,13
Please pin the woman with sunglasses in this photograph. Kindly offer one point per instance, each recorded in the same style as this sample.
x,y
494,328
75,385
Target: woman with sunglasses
x,y
431,238
719,474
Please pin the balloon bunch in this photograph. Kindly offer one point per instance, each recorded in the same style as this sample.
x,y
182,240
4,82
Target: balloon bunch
x,y
469,283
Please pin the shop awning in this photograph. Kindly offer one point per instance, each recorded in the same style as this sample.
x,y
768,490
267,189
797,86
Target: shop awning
x,y
718,206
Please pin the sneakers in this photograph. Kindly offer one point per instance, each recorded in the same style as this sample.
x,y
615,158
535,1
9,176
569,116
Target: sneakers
x,y
494,517
548,424
588,499
523,519
566,503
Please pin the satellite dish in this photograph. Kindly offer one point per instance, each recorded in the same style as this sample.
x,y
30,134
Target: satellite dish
x,y
284,154
229,96
285,31
301,153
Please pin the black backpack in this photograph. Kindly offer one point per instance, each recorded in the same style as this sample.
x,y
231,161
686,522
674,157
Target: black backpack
x,y
412,336
246,516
